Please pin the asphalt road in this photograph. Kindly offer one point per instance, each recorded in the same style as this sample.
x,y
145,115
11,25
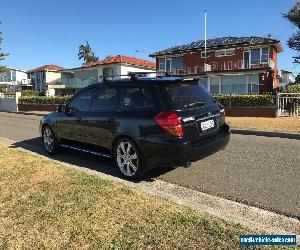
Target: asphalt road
x,y
256,170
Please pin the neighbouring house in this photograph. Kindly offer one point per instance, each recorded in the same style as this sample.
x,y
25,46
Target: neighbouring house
x,y
286,78
44,76
14,79
111,68
231,65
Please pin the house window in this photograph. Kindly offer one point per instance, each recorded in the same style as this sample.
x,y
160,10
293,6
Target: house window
x,y
13,75
255,56
162,63
225,52
177,62
265,55
203,55
110,71
234,84
167,64
214,85
220,53
253,86
259,56
230,52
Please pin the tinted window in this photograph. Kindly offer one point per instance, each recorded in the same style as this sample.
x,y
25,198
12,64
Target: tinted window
x,y
105,99
138,98
186,96
255,56
81,102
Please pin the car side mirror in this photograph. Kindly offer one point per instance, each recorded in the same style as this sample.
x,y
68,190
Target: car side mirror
x,y
61,108
69,110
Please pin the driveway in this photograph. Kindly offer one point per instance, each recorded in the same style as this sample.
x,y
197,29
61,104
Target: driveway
x,y
256,170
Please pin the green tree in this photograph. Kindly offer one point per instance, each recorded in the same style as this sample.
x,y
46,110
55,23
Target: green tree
x,y
2,54
85,52
293,15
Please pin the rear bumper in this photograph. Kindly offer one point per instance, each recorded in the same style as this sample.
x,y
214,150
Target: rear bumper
x,y
166,153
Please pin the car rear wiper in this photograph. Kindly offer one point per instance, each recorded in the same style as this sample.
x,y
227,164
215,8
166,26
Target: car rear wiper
x,y
194,104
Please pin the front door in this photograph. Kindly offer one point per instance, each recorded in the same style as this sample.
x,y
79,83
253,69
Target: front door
x,y
71,125
246,59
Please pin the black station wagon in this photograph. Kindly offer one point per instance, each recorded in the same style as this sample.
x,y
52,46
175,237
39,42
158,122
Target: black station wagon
x,y
141,123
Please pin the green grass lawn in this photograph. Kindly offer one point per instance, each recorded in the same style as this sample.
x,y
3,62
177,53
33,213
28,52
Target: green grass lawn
x,y
45,205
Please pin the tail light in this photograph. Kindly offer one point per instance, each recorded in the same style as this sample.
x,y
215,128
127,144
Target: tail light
x,y
170,122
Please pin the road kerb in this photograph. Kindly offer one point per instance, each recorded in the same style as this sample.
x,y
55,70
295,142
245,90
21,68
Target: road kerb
x,y
265,133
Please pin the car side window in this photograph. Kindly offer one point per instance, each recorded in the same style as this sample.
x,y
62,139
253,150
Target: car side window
x,y
81,102
137,98
104,100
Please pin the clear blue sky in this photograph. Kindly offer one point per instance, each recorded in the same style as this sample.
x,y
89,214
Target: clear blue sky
x,y
49,32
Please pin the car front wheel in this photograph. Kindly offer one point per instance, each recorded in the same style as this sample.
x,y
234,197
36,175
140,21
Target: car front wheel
x,y
128,159
49,140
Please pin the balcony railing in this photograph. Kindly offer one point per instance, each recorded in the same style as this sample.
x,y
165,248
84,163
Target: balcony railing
x,y
18,82
219,66
76,83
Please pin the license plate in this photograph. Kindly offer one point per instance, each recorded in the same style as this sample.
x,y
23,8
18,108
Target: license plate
x,y
207,124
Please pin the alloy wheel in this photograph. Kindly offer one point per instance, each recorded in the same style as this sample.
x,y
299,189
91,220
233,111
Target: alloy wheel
x,y
127,158
48,138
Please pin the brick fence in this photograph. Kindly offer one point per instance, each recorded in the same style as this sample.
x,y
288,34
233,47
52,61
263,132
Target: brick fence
x,y
37,107
257,111
230,111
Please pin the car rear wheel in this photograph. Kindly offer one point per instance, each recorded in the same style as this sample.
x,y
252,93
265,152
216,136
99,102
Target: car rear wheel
x,y
128,159
49,140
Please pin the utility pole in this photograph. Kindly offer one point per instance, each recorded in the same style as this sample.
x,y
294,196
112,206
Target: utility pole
x,y
205,38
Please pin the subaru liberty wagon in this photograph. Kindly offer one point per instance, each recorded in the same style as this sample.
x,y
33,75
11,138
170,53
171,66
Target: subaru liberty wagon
x,y
141,123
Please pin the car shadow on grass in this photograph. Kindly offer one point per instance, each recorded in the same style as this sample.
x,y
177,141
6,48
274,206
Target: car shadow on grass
x,y
82,159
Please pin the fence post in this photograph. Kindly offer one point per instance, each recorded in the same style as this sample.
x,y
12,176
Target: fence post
x,y
277,104
17,96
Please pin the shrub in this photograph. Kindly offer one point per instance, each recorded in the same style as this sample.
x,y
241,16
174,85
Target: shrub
x,y
44,99
2,89
295,88
246,100
28,92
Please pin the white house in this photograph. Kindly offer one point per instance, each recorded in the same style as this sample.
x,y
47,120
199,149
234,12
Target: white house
x,y
14,78
44,76
115,67
287,77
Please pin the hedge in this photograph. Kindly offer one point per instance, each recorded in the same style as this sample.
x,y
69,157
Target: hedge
x,y
43,99
295,88
226,100
246,100
28,92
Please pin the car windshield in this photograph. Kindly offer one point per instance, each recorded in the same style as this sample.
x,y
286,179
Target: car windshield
x,y
186,96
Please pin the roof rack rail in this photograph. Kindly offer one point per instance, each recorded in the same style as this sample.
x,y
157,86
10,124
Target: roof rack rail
x,y
135,75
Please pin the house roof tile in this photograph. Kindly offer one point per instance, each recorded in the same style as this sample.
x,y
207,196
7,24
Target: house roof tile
x,y
218,42
47,67
123,59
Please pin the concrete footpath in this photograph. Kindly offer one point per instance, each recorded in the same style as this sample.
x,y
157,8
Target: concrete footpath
x,y
256,219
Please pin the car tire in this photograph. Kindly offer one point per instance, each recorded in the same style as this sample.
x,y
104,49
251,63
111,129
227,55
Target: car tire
x,y
49,140
128,159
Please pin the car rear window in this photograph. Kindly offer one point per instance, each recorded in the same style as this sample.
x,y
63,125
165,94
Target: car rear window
x,y
186,96
138,98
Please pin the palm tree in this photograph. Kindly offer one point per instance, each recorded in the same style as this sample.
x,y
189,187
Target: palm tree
x,y
85,52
